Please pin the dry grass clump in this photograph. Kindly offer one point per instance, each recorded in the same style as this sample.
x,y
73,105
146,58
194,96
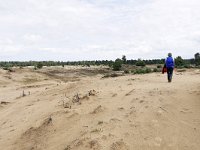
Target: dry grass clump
x,y
97,110
112,75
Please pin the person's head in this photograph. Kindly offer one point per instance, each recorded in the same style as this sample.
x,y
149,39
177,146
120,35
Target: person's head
x,y
170,54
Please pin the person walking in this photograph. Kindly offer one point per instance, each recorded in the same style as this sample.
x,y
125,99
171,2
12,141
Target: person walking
x,y
169,62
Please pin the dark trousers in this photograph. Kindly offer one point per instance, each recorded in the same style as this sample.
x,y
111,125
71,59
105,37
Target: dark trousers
x,y
169,73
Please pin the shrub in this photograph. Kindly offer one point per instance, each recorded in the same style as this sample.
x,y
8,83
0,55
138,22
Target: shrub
x,y
142,71
187,66
140,63
126,71
111,75
139,71
39,65
117,64
179,61
148,70
35,67
110,64
159,66
87,65
179,67
155,70
8,68
114,75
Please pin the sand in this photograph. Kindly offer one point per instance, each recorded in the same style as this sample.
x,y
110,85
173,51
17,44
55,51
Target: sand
x,y
72,111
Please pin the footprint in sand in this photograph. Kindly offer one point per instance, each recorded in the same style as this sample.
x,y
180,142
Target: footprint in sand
x,y
120,108
96,130
130,92
119,145
73,115
84,142
104,137
131,113
114,95
77,142
93,144
97,110
142,101
114,120
111,135
185,110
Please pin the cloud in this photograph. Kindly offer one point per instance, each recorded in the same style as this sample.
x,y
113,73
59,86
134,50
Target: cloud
x,y
100,29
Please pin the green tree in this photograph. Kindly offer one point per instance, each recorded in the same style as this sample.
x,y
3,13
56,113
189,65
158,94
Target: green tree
x,y
39,65
7,66
117,64
124,59
140,63
179,61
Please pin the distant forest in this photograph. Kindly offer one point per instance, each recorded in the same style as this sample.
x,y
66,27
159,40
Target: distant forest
x,y
39,64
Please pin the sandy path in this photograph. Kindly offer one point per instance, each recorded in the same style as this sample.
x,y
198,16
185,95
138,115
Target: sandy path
x,y
140,112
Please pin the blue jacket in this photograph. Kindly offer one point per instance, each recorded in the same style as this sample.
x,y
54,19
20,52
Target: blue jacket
x,y
169,62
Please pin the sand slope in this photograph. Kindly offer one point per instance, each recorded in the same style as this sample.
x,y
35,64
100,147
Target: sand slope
x,y
132,112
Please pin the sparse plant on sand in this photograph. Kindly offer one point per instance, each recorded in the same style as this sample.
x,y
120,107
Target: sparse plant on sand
x,y
157,70
142,71
159,66
126,71
68,147
23,94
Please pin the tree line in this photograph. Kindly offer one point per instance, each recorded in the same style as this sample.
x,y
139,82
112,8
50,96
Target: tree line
x,y
115,64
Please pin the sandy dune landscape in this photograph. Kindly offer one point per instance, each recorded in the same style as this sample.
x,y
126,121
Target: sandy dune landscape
x,y
78,109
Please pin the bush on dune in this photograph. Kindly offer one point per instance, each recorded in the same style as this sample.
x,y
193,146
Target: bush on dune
x,y
140,63
142,71
117,64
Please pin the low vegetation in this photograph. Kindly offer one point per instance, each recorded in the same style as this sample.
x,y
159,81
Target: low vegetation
x,y
142,70
117,65
140,63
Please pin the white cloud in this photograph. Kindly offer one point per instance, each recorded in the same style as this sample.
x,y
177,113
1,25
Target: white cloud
x,y
32,38
100,29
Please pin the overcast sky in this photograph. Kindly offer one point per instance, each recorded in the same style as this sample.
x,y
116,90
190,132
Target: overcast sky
x,y
98,29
